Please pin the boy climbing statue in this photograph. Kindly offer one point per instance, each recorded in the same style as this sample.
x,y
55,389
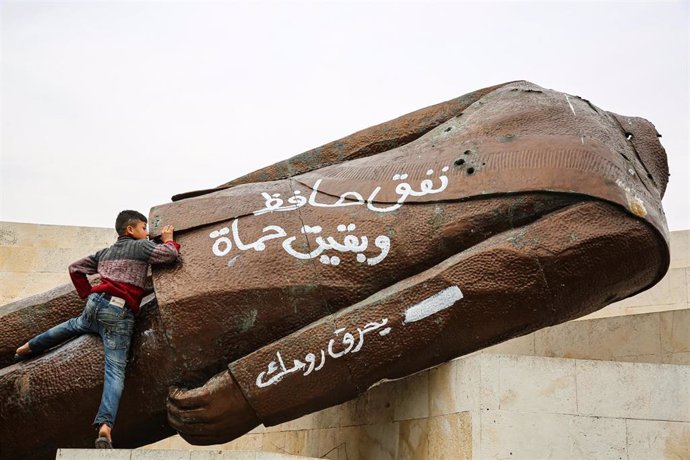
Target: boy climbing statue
x,y
111,307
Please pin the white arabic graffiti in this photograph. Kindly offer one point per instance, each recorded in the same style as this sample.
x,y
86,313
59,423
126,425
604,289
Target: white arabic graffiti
x,y
228,237
351,243
428,307
277,369
403,189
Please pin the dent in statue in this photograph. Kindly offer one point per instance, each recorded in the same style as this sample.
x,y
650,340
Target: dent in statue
x,y
387,252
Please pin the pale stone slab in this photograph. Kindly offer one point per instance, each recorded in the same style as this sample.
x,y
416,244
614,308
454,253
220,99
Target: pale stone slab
x,y
251,442
323,443
658,439
150,454
467,383
413,439
17,234
93,454
508,434
17,259
489,381
357,442
451,436
444,392
633,390
220,455
532,385
331,417
518,346
412,397
57,260
680,248
377,441
597,437
607,339
678,358
675,331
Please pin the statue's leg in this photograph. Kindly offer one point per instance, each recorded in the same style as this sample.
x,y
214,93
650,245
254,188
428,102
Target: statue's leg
x,y
26,318
50,401
564,265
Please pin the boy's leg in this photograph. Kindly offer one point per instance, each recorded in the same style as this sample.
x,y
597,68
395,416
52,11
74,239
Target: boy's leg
x,y
115,327
72,327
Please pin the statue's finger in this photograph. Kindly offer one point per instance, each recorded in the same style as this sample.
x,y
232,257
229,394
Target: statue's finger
x,y
191,416
189,399
190,429
180,420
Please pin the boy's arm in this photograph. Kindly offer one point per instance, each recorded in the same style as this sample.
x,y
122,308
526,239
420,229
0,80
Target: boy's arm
x,y
78,271
166,252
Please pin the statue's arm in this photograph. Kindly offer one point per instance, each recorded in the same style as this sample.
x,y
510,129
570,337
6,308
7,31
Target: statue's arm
x,y
507,286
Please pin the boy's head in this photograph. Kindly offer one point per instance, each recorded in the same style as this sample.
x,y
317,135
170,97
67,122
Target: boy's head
x,y
131,223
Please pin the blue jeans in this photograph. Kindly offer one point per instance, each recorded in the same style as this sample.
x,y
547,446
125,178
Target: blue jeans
x,y
115,326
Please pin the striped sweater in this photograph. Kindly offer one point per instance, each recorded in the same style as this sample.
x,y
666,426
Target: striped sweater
x,y
122,268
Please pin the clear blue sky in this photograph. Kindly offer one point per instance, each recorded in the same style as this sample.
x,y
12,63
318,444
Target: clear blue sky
x,y
114,105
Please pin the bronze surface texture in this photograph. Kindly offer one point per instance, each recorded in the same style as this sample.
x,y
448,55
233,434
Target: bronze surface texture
x,y
392,250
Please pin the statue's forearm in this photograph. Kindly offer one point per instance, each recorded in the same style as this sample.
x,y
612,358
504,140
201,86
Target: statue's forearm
x,y
509,285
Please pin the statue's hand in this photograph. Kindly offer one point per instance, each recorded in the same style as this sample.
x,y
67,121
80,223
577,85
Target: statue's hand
x,y
212,414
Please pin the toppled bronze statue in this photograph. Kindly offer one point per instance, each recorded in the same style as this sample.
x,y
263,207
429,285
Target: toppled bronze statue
x,y
392,250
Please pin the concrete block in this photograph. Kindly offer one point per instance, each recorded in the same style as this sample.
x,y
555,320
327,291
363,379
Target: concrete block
x,y
609,339
674,326
375,441
57,260
658,439
508,434
444,391
17,259
250,442
378,407
219,455
295,442
678,358
11,286
596,437
357,442
150,454
518,346
413,439
680,249
177,443
17,234
467,383
531,384
489,381
633,390
323,443
305,422
331,417
451,436
412,397
93,454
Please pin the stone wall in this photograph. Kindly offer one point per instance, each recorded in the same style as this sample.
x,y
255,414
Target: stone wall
x,y
611,385
515,400
34,258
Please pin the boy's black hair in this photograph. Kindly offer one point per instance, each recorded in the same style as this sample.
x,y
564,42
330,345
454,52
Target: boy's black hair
x,y
127,218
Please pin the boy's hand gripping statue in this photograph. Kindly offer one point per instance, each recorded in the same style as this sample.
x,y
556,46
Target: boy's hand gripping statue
x,y
389,251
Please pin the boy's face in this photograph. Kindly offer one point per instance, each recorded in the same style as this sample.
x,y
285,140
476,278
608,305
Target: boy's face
x,y
138,231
